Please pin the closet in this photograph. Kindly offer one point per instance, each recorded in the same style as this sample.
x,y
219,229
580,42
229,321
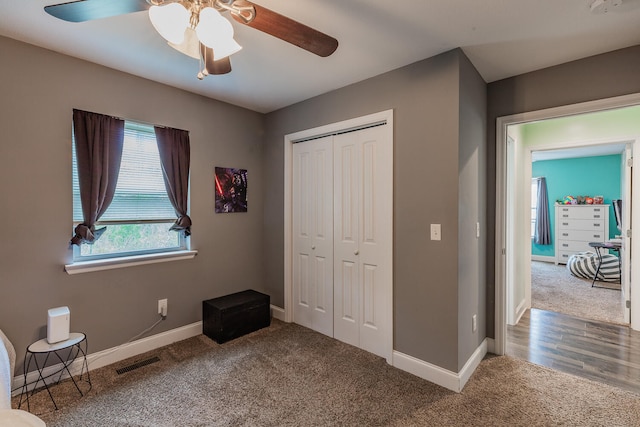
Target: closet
x,y
342,208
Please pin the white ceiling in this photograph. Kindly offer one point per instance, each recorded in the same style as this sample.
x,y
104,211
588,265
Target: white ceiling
x,y
501,37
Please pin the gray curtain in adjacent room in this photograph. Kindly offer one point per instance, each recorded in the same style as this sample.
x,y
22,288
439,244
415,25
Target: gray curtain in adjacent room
x,y
174,149
543,222
98,140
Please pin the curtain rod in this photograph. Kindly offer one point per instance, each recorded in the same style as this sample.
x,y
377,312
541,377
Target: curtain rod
x,y
142,122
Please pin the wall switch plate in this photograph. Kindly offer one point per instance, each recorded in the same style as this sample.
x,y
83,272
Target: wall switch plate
x,y
477,230
436,232
474,323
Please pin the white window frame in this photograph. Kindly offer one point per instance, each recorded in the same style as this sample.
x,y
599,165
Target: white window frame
x,y
98,262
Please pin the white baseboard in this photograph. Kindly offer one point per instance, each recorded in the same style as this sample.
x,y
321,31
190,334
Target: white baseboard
x,y
440,376
491,345
111,355
277,312
543,258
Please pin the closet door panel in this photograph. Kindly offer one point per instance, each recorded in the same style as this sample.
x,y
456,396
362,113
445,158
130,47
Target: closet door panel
x,y
313,235
346,240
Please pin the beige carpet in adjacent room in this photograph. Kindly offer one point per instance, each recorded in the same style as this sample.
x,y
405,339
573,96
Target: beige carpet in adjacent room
x,y
554,288
287,375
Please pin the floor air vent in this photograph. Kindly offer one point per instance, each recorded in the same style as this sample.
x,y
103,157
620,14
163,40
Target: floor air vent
x,y
137,365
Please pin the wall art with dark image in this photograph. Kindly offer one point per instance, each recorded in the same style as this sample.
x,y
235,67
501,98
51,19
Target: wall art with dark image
x,y
231,190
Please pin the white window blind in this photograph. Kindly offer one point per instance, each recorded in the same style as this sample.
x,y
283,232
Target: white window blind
x,y
140,192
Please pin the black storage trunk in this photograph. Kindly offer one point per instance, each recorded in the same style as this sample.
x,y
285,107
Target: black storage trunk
x,y
232,316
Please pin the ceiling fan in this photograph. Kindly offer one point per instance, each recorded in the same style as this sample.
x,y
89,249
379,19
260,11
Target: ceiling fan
x,y
197,28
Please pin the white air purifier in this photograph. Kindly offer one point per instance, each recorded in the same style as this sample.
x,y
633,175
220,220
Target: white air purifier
x,y
58,324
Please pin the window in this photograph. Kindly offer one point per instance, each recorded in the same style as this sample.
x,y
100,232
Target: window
x,y
534,205
140,215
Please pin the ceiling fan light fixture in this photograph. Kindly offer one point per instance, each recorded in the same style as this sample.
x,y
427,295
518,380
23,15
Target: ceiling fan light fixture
x,y
170,21
190,46
225,48
216,32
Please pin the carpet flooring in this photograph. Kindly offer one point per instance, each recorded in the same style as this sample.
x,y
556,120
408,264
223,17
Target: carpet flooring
x,y
553,288
287,375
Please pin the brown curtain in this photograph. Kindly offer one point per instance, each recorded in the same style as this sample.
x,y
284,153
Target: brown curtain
x,y
99,140
173,146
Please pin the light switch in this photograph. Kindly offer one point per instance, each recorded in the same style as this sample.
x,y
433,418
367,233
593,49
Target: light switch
x,y
436,232
477,230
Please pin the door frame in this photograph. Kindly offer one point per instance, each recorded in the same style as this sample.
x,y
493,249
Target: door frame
x,y
501,232
517,244
290,139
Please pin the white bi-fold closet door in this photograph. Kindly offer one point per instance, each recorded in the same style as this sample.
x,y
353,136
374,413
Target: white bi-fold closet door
x,y
342,237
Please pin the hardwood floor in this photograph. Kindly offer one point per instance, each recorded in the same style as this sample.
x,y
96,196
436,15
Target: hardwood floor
x,y
601,352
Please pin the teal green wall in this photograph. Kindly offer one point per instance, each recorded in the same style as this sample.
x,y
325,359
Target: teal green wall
x,y
585,176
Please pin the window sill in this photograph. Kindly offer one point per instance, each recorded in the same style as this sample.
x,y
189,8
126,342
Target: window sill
x,y
130,261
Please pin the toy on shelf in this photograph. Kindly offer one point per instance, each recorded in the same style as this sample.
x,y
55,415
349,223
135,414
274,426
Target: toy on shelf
x,y
581,200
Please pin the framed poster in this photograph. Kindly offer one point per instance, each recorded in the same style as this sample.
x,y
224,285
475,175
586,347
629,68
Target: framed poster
x,y
231,190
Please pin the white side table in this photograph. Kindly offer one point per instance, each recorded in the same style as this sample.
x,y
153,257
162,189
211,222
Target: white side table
x,y
67,352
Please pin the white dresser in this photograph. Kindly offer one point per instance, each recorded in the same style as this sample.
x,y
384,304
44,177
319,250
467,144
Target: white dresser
x,y
576,226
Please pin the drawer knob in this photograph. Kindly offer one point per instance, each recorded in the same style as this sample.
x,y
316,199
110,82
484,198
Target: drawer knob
x,y
596,216
596,225
565,223
596,235
566,245
565,234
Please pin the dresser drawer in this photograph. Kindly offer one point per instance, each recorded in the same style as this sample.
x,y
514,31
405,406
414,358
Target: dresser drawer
x,y
583,212
574,246
581,224
580,235
563,256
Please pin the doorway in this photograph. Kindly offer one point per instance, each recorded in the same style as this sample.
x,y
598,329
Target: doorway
x,y
567,169
507,244
339,231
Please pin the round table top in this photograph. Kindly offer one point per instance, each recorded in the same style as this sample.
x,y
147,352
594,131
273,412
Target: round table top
x,y
43,346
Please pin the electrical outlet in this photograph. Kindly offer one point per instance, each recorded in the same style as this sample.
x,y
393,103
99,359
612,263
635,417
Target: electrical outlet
x,y
474,323
162,307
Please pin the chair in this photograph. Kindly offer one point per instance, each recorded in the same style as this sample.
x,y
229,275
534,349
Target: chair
x,y
11,417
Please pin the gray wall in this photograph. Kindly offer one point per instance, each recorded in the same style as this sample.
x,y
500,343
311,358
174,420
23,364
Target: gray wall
x,y
426,103
38,90
471,210
598,77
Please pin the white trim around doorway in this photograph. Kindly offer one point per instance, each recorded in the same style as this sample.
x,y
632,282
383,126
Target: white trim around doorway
x,y
501,201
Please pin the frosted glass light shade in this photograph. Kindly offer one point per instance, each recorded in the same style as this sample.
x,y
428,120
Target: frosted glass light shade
x,y
225,48
190,46
170,21
216,32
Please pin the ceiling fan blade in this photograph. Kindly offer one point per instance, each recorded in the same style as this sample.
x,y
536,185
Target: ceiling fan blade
x,y
88,10
221,66
289,30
